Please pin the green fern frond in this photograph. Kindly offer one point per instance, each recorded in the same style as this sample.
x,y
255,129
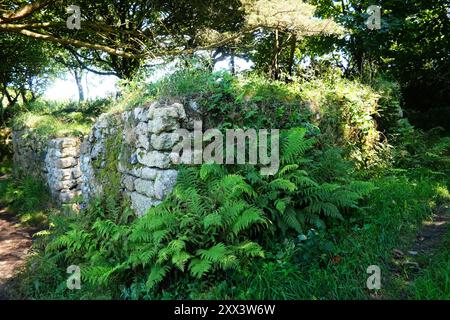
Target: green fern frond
x,y
213,219
248,218
294,145
213,254
157,274
287,168
250,249
291,220
180,259
211,170
282,185
198,267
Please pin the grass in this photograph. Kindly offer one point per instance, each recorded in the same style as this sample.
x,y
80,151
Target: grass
x,y
51,126
27,198
394,214
49,119
433,283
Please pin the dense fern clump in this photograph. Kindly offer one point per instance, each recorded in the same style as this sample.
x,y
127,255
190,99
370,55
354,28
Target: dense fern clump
x,y
293,198
216,222
204,227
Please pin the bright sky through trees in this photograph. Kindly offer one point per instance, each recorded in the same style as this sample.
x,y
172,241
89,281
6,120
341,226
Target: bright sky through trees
x,y
95,86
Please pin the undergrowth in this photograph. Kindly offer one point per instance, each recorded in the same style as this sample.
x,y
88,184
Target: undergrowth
x,y
27,197
342,200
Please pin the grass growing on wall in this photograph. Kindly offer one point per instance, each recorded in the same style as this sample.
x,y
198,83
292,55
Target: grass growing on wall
x,y
50,119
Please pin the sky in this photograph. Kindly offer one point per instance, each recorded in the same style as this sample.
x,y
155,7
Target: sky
x,y
95,86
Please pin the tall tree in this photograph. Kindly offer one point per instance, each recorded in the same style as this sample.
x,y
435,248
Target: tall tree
x,y
412,45
24,71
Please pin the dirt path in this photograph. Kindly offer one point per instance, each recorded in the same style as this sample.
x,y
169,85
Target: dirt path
x,y
408,262
432,233
14,245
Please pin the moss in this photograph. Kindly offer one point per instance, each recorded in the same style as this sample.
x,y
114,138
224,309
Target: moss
x,y
108,173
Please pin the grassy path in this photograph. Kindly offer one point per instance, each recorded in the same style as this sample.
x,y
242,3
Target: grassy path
x,y
421,270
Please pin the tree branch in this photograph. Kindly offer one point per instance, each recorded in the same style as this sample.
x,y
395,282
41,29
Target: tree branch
x,y
26,10
73,42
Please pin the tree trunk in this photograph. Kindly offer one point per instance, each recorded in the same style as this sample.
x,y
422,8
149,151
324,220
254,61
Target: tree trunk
x,y
275,62
78,76
292,55
23,93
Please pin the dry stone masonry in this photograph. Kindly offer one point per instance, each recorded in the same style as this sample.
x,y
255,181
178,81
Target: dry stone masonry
x,y
142,140
62,167
55,160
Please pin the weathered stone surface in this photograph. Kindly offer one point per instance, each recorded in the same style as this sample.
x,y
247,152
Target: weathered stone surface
x,y
97,150
162,123
144,162
164,183
143,142
165,140
137,113
148,173
66,184
128,182
141,203
84,147
60,143
76,172
66,162
67,152
154,159
61,174
102,121
144,187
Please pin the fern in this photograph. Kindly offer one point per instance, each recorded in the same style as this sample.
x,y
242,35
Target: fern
x,y
199,267
250,216
213,254
157,273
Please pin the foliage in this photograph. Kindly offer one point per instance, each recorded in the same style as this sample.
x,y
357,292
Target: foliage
x,y
212,223
355,181
294,199
50,119
24,73
27,197
332,264
346,113
426,152
433,283
412,46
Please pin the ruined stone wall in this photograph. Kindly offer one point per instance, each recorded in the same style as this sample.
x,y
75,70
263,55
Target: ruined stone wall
x,y
140,141
29,153
62,168
54,160
145,162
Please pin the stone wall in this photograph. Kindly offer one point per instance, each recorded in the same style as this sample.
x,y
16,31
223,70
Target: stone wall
x,y
62,166
54,160
140,140
144,158
29,153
